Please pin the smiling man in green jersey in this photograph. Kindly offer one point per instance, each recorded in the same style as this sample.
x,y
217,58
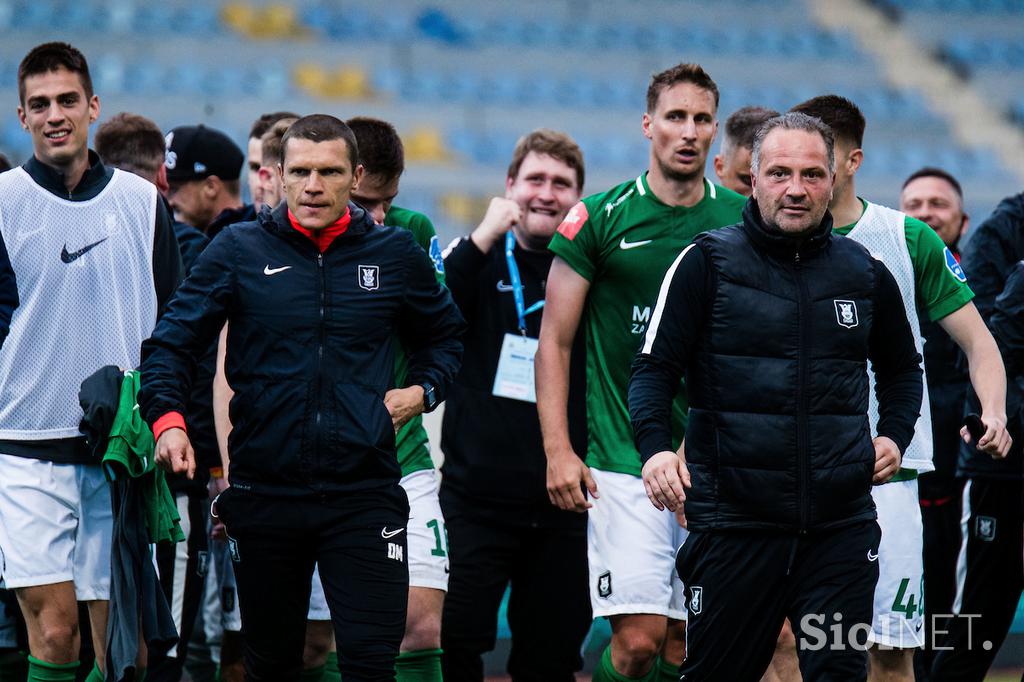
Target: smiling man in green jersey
x,y
612,251
931,280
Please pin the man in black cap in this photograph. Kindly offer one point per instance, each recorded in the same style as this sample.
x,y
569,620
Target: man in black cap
x,y
204,168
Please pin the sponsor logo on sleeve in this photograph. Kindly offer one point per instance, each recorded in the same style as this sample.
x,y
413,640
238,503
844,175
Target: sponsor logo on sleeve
x,y
435,255
574,221
954,266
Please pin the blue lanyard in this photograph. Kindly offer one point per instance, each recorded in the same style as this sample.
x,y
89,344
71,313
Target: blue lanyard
x,y
517,285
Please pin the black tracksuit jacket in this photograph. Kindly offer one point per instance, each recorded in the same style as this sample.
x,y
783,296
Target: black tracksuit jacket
x,y
310,348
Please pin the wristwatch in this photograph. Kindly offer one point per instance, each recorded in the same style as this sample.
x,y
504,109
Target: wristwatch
x,y
429,397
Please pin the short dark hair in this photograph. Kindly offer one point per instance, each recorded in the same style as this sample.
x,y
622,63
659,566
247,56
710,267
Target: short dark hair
x,y
838,113
132,143
261,125
50,57
270,143
743,123
794,120
553,143
321,128
932,172
680,73
380,148
5,164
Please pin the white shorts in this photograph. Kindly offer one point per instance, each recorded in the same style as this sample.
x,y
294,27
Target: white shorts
x,y
632,548
899,594
56,524
428,536
317,599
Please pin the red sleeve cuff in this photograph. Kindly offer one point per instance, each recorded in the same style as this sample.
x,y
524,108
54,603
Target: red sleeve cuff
x,y
170,420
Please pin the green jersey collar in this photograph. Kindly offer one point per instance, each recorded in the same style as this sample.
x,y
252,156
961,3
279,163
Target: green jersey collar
x,y
644,190
845,229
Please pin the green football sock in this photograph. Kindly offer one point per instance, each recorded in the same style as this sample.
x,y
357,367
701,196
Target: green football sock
x,y
667,672
41,671
419,666
332,673
313,674
13,666
95,675
606,672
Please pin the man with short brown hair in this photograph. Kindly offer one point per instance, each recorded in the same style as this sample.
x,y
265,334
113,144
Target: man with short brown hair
x,y
316,295
503,531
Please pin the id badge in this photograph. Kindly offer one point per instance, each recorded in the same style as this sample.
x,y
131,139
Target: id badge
x,y
515,369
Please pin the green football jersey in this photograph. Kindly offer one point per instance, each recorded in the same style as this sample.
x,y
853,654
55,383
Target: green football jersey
x,y
939,281
623,242
411,440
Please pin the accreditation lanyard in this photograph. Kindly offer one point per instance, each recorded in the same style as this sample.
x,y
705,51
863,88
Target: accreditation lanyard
x,y
517,285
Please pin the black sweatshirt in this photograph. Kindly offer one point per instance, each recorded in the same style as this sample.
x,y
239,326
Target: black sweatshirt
x,y
494,457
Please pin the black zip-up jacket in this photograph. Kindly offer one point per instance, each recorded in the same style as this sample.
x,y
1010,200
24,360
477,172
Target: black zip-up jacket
x,y
991,254
774,334
494,464
1007,325
309,350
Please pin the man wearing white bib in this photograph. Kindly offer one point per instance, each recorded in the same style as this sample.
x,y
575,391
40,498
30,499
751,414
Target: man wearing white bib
x,y
931,280
95,259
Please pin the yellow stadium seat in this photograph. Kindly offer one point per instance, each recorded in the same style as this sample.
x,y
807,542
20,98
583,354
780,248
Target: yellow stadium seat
x,y
426,144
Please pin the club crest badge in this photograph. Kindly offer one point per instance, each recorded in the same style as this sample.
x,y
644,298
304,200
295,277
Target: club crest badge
x,y
846,313
369,277
604,584
985,528
696,599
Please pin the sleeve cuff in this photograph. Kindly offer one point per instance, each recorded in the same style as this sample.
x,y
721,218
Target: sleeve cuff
x,y
170,420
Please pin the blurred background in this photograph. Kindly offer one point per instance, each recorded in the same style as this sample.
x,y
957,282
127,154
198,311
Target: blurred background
x,y
941,82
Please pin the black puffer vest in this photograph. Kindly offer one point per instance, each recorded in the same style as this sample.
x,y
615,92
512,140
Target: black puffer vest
x,y
778,436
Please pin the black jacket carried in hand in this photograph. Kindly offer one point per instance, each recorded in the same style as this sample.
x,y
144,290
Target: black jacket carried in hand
x,y
309,349
774,334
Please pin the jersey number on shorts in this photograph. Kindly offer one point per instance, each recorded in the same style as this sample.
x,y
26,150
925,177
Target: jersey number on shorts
x,y
910,607
440,543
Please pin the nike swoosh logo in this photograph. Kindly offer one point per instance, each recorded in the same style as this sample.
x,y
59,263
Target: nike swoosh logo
x,y
872,557
501,286
75,255
625,246
388,534
273,271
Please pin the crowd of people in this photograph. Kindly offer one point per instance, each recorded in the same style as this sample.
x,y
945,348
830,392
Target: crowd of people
x,y
767,428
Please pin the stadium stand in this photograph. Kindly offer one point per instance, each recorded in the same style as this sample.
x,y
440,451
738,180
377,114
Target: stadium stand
x,y
467,78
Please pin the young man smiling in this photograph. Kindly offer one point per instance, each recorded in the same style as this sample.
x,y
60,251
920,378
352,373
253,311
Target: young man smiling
x,y
316,296
95,259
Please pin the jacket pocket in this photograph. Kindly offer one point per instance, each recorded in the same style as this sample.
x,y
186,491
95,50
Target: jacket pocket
x,y
360,421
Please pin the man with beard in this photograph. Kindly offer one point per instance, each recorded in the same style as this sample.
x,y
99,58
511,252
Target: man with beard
x,y
502,527
611,252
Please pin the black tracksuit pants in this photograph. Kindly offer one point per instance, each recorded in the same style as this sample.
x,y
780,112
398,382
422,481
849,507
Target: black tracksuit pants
x,y
549,604
741,585
990,577
359,540
181,567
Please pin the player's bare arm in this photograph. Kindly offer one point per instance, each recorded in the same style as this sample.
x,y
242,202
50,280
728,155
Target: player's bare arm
x,y
566,296
988,376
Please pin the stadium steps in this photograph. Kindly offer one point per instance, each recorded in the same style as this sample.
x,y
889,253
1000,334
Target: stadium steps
x,y
909,66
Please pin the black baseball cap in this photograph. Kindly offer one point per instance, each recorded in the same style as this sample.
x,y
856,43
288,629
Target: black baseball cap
x,y
197,152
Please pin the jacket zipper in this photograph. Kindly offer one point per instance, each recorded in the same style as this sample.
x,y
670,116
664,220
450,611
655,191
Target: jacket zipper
x,y
321,286
803,465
